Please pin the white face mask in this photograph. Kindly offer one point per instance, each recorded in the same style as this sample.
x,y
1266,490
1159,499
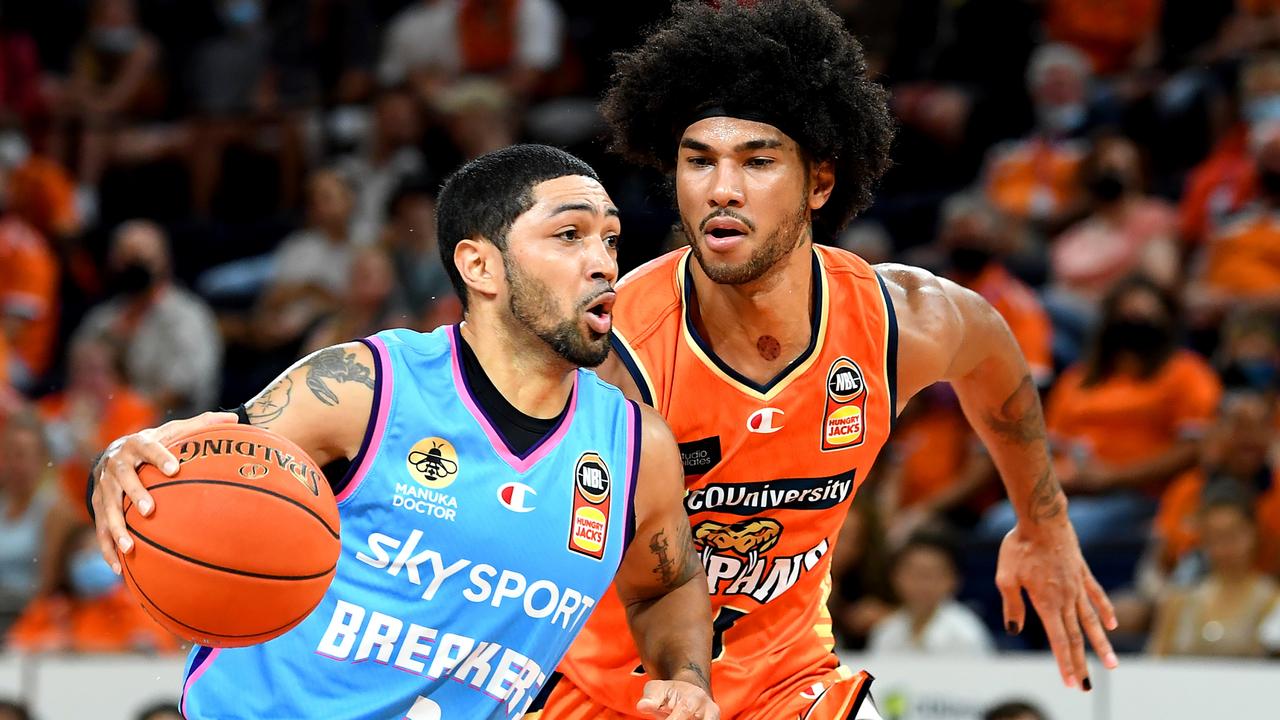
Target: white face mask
x,y
1262,109
116,39
1062,119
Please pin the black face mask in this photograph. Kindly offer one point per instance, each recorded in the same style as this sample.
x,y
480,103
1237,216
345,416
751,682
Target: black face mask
x,y
132,279
1135,336
1269,181
968,260
1107,186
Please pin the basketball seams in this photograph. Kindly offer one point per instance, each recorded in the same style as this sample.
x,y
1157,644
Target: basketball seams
x,y
233,571
150,604
253,488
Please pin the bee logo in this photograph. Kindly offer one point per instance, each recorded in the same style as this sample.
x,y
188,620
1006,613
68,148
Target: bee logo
x,y
433,462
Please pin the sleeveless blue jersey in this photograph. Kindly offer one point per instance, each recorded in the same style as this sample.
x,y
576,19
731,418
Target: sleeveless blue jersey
x,y
466,568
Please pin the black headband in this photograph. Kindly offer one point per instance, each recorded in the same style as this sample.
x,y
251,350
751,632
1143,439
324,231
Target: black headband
x,y
742,113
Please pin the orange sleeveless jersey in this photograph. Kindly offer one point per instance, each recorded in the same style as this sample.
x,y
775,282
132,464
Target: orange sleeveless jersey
x,y
770,471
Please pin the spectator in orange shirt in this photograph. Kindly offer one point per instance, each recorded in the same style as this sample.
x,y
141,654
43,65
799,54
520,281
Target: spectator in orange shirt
x,y
1034,178
1111,32
1225,182
1128,419
90,609
1240,266
28,300
1237,449
974,235
95,408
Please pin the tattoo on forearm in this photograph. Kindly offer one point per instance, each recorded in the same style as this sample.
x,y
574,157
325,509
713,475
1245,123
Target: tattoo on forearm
x,y
1046,501
1019,419
334,364
698,670
675,569
270,405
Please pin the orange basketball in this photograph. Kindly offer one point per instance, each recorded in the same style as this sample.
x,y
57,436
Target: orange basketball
x,y
243,541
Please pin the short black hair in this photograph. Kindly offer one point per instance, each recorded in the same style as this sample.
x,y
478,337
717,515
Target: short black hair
x,y
1013,710
410,186
789,63
935,539
485,196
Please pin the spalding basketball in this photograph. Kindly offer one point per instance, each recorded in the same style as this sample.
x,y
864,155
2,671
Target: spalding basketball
x,y
243,542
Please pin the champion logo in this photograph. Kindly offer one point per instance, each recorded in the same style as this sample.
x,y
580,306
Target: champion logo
x,y
762,421
516,497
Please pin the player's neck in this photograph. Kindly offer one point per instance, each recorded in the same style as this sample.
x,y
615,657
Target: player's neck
x,y
531,377
743,322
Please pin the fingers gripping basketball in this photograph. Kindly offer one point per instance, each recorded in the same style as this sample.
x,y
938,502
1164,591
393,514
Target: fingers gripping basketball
x,y
243,541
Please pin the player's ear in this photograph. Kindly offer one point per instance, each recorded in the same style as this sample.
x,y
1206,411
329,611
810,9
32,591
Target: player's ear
x,y
822,180
479,262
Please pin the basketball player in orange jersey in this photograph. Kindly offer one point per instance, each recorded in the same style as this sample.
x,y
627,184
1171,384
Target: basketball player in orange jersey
x,y
780,364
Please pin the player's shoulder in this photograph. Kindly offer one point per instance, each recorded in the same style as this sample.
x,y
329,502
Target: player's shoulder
x,y
649,297
407,340
911,286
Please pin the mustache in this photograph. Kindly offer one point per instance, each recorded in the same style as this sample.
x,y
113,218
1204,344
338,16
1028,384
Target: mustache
x,y
595,297
725,212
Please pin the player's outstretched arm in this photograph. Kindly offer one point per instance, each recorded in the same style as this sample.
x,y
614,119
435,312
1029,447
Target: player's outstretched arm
x,y
663,587
949,333
322,403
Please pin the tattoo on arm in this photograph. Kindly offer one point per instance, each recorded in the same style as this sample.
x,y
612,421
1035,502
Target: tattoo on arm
x,y
1019,419
334,364
673,571
270,405
698,670
1045,498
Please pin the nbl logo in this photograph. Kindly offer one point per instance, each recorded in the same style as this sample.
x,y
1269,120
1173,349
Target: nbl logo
x,y
589,525
593,478
844,381
845,415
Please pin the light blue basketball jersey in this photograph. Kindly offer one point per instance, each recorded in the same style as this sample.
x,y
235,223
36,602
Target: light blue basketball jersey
x,y
466,569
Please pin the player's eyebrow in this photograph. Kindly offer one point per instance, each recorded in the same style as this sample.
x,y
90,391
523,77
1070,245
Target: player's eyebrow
x,y
610,211
759,144
763,144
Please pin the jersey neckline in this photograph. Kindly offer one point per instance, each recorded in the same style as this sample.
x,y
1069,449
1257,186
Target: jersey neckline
x,y
520,462
818,313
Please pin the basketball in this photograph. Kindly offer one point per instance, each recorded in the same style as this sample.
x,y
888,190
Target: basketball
x,y
243,541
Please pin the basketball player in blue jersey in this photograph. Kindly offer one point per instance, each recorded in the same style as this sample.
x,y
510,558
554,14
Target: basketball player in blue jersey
x,y
494,488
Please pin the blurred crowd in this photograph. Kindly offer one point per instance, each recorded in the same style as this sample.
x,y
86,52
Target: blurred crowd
x,y
193,193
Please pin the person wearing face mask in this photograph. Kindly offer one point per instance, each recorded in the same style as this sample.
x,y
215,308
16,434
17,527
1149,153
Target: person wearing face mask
x,y
116,81
172,349
1239,268
1225,181
1125,232
89,610
1034,178
1128,418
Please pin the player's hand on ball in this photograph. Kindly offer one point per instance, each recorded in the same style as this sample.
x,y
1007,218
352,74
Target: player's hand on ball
x,y
677,700
116,475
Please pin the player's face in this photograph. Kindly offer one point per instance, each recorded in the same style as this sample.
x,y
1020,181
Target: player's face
x,y
743,192
561,262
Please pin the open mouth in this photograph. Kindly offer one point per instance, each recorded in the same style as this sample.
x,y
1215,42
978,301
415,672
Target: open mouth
x,y
600,313
724,232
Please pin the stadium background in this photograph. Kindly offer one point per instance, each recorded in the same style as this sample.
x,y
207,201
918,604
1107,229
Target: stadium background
x,y
196,192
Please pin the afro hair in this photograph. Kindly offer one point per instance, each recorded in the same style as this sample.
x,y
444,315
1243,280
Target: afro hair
x,y
790,61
